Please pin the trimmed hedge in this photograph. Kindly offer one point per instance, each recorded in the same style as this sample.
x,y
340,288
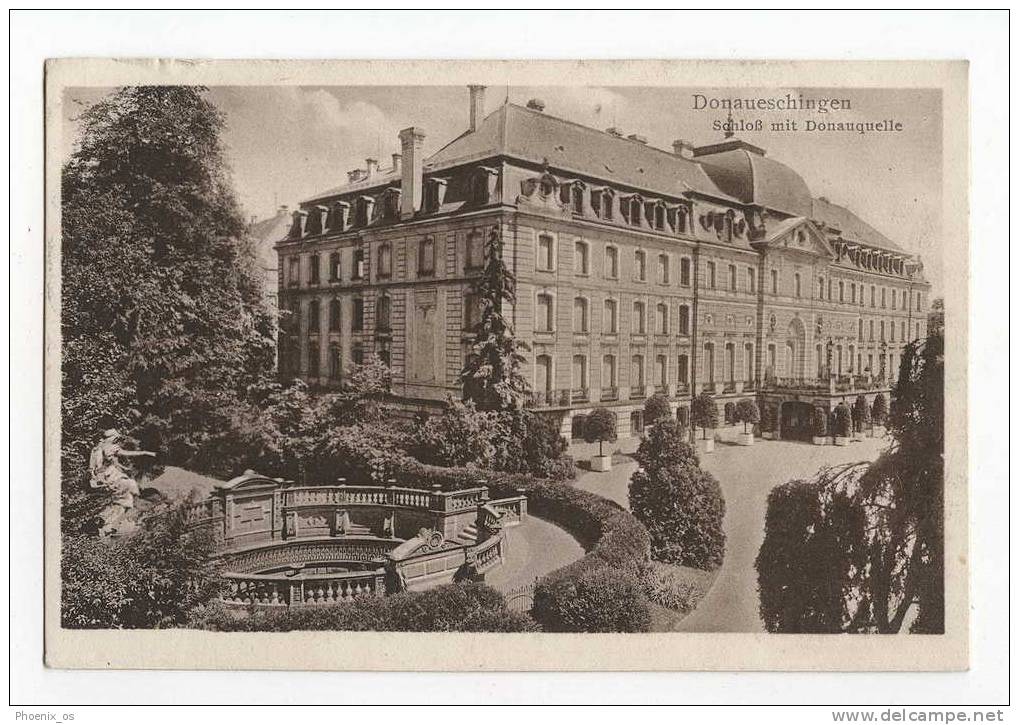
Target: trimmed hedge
x,y
449,608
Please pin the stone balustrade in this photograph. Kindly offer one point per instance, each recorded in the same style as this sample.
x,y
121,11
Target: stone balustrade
x,y
301,590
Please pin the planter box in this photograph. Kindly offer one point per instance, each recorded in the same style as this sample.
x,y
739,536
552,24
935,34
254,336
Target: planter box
x,y
767,435
601,464
820,440
842,440
746,439
858,435
708,445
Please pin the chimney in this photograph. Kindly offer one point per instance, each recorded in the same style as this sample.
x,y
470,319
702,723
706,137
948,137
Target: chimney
x,y
638,138
372,165
536,104
682,148
283,210
411,142
477,106
353,176
396,163
613,131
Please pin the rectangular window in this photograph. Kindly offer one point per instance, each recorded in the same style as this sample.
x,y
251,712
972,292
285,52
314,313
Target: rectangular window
x,y
684,320
313,271
358,270
732,277
663,268
546,253
611,263
751,280
683,370
334,267
711,275
543,317
640,265
684,271
882,298
774,281
357,323
581,263
294,272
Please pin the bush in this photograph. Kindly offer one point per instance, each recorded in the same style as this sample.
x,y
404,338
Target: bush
x,y
595,599
151,578
861,413
747,412
843,422
655,408
683,416
819,422
663,585
880,410
529,442
448,608
768,417
704,412
729,413
680,504
461,435
600,427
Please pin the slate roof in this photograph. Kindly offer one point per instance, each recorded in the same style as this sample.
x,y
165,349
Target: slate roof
x,y
755,179
264,235
535,136
852,227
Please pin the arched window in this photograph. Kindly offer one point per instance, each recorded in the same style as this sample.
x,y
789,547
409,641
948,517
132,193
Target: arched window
x,y
313,317
608,201
820,288
870,330
611,262
382,314
581,258
873,293
895,300
860,325
636,211
640,265
852,292
544,318
475,250
639,318
883,298
426,257
577,198
796,284
733,285
659,212
683,369
751,280
543,374
610,318
663,268
842,291
682,221
385,260
580,314
684,319
334,315
661,319
891,331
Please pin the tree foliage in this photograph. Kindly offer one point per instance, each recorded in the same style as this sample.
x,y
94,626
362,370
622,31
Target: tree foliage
x,y
704,412
680,504
163,321
880,409
656,408
600,427
843,421
747,413
861,413
491,375
861,548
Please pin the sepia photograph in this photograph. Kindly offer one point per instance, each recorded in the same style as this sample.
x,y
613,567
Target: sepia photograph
x,y
513,359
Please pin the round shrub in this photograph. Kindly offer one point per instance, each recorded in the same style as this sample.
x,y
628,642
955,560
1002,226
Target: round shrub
x,y
655,408
861,413
594,599
819,422
600,427
747,413
682,507
729,413
880,411
843,420
665,446
704,412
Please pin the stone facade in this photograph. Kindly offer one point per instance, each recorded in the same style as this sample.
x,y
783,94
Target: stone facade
x,y
639,270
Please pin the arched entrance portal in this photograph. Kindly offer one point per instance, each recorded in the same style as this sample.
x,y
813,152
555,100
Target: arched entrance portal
x,y
796,337
795,418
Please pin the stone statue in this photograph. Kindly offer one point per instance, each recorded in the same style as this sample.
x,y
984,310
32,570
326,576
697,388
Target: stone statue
x,y
111,470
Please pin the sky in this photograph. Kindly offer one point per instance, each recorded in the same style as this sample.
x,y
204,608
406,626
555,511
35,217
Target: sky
x,y
286,143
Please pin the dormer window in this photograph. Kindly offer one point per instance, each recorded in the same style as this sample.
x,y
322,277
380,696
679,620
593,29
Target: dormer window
x,y
577,198
480,191
633,210
607,202
682,220
391,204
434,194
596,202
659,217
365,206
547,186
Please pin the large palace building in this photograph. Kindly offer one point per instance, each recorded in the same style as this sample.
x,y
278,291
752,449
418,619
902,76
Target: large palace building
x,y
639,270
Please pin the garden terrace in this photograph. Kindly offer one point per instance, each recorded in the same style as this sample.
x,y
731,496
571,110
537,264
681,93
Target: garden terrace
x,y
287,545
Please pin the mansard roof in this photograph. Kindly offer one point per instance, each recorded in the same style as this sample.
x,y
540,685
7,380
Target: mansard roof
x,y
851,227
744,172
531,135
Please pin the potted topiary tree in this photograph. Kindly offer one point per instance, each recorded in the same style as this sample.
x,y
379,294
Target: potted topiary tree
x,y
843,424
819,426
861,417
768,421
879,413
747,413
704,414
656,408
600,427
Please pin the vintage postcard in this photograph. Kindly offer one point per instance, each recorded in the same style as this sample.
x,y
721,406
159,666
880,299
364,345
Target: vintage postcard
x,y
507,365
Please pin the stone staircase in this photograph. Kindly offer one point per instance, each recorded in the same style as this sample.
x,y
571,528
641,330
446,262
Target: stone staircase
x,y
468,536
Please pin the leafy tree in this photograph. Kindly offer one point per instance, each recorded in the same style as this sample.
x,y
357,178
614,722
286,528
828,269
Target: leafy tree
x,y
680,504
600,427
461,435
819,422
530,442
152,578
491,376
656,408
704,412
768,417
163,320
360,398
843,423
867,539
861,413
747,413
880,410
